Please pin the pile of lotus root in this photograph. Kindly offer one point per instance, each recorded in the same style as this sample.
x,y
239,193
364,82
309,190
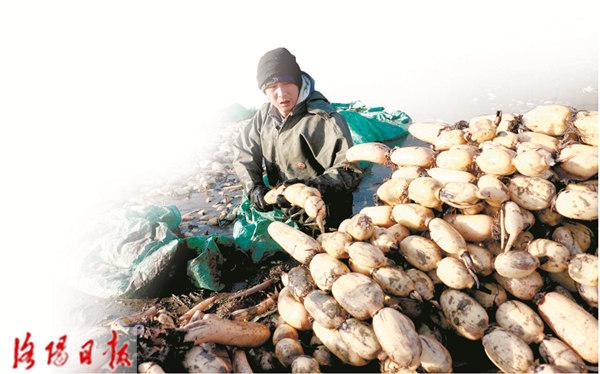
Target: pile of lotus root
x,y
490,225
487,234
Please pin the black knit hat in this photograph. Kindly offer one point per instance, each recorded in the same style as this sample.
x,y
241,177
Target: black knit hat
x,y
276,66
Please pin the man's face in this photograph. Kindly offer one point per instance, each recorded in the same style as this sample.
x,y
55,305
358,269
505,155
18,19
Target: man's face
x,y
283,95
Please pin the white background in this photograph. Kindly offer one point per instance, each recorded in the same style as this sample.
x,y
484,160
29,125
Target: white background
x,y
89,91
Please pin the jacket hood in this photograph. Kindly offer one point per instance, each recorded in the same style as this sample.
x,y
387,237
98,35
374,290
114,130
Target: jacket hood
x,y
307,87
313,100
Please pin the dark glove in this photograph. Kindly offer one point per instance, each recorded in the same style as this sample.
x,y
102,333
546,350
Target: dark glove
x,y
282,202
257,197
319,184
289,182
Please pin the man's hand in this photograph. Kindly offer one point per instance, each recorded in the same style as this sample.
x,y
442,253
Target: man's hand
x,y
257,197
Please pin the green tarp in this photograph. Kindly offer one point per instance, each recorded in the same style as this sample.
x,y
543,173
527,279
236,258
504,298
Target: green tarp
x,y
132,251
250,231
204,270
373,124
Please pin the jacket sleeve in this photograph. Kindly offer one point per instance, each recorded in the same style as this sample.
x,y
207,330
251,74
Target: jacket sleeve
x,y
247,153
338,174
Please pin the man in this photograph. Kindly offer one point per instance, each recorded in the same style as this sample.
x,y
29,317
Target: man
x,y
298,136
